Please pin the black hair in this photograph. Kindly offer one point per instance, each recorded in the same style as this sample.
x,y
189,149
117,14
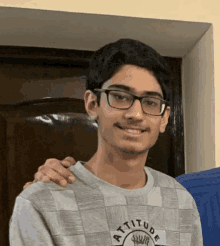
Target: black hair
x,y
109,59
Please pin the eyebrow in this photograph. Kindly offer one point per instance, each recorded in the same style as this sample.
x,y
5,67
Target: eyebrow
x,y
130,89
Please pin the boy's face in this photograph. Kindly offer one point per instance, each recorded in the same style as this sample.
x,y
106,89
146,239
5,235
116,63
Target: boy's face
x,y
110,118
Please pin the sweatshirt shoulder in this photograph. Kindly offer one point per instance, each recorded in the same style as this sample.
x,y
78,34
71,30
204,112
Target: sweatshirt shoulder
x,y
39,187
168,185
43,196
164,180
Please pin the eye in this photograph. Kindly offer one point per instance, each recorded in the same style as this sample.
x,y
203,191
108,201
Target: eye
x,y
153,102
119,96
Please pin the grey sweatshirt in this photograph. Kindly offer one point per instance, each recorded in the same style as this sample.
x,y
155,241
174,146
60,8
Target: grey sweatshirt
x,y
92,212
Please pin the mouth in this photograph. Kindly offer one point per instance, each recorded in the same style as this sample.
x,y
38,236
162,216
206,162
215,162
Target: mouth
x,y
132,132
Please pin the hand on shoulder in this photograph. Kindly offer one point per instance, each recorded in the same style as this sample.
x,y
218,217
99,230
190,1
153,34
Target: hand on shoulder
x,y
56,171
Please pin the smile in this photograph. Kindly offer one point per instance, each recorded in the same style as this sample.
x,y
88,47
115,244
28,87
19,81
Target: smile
x,y
132,132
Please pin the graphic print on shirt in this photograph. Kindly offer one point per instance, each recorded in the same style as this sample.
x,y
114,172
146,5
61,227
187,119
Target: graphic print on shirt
x,y
136,232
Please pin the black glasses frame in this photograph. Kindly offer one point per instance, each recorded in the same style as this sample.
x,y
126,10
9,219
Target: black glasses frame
x,y
107,91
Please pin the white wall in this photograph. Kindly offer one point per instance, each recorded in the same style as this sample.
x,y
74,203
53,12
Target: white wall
x,y
198,105
199,132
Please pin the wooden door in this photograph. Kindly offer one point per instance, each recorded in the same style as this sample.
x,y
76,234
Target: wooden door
x,y
27,143
167,155
4,195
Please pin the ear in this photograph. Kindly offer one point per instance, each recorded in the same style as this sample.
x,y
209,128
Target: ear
x,y
91,105
164,120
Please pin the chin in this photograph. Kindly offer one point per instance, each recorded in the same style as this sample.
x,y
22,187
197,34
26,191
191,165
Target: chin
x,y
132,150
127,147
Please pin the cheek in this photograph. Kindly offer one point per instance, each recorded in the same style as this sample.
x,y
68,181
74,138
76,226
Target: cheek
x,y
109,115
107,122
155,126
154,133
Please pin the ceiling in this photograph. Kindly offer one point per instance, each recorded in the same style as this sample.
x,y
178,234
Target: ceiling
x,y
65,30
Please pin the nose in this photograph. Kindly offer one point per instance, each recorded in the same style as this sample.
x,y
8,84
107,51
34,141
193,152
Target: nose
x,y
135,111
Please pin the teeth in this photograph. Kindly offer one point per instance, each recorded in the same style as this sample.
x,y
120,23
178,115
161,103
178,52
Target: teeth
x,y
133,131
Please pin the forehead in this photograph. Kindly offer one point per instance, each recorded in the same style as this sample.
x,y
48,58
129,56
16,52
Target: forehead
x,y
137,80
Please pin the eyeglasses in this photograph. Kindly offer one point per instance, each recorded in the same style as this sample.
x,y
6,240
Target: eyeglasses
x,y
124,100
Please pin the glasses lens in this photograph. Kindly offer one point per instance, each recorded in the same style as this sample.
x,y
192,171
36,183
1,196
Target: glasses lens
x,y
152,105
120,99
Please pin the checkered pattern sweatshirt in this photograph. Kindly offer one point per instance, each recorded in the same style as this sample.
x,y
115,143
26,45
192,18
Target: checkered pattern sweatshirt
x,y
92,212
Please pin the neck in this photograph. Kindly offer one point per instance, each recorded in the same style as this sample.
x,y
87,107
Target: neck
x,y
122,169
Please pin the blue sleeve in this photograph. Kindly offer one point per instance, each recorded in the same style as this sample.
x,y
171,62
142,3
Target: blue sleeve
x,y
205,189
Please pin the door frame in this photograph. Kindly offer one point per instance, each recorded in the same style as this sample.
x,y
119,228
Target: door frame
x,y
192,41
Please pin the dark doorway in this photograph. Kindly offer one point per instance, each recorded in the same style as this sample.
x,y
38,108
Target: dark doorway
x,y
167,155
34,131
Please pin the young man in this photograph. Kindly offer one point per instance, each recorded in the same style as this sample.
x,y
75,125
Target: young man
x,y
115,199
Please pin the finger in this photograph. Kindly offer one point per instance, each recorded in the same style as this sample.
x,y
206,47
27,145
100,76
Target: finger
x,y
26,185
45,179
57,167
42,177
39,168
66,163
38,176
55,176
71,160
